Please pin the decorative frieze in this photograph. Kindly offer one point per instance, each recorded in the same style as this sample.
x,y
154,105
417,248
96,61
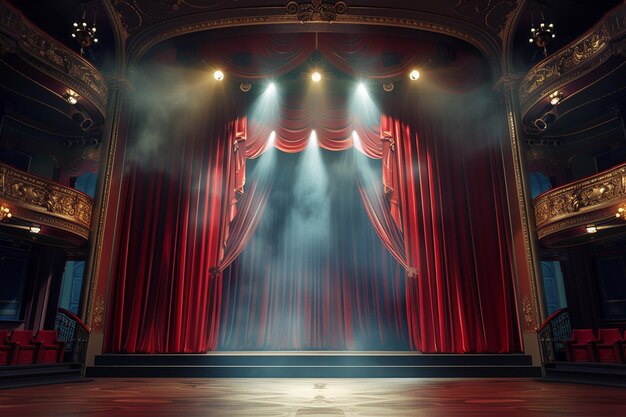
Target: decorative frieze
x,y
18,35
47,202
567,204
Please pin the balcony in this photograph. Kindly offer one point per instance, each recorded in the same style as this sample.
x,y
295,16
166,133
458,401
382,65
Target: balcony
x,y
62,213
563,214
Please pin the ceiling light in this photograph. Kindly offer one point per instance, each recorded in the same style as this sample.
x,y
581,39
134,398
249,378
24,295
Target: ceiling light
x,y
316,77
542,35
218,75
84,33
414,75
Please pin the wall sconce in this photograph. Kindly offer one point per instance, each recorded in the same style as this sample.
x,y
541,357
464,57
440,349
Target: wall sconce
x,y
5,212
71,97
555,98
591,229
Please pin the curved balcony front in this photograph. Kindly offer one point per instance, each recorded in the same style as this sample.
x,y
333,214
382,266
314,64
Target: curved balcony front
x,y
564,214
588,74
62,213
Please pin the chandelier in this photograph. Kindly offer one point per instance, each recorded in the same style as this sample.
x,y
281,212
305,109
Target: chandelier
x,y
542,35
5,212
84,33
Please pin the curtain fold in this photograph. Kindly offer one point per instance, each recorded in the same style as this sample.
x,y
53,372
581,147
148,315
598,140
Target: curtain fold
x,y
177,196
455,225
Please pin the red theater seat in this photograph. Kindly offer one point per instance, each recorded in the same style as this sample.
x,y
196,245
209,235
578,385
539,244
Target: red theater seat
x,y
607,348
7,349
580,348
51,349
25,348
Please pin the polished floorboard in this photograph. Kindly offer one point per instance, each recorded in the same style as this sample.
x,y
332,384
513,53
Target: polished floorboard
x,y
143,397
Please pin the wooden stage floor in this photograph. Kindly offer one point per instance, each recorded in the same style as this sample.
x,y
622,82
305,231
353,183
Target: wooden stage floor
x,y
197,397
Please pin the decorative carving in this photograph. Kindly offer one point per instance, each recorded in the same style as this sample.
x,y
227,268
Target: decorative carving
x,y
529,314
589,194
316,11
71,208
98,313
566,65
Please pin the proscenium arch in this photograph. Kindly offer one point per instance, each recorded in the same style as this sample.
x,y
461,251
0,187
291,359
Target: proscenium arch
x,y
488,46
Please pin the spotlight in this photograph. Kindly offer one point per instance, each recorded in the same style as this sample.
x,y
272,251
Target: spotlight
x,y
316,77
245,86
414,75
218,75
361,89
271,88
544,121
592,229
388,87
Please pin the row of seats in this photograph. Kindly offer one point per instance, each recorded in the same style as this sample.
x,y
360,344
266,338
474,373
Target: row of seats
x,y
609,345
27,347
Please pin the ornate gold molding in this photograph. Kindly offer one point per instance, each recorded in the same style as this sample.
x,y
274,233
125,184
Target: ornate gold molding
x,y
572,62
571,205
316,10
50,57
46,202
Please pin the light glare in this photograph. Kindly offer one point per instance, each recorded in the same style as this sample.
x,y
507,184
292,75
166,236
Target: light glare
x,y
218,75
414,75
316,77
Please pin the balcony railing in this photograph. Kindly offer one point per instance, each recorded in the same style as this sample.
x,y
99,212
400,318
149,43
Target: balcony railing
x,y
574,61
581,202
45,202
21,37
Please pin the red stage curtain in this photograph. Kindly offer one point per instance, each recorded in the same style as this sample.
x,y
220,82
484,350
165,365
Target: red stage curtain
x,y
315,275
166,289
456,227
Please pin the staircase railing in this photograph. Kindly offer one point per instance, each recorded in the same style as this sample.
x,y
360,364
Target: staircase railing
x,y
552,333
74,333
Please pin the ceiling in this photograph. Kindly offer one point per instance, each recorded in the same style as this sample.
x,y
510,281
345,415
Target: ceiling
x,y
144,21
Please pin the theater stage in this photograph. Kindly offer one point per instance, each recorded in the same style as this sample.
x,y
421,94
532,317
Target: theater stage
x,y
314,364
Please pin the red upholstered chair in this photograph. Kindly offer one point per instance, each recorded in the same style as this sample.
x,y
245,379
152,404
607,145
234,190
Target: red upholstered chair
x,y
7,349
580,347
607,348
51,349
25,348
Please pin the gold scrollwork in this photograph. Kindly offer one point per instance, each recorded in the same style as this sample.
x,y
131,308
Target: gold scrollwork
x,y
316,10
590,193
98,312
566,60
48,196
529,314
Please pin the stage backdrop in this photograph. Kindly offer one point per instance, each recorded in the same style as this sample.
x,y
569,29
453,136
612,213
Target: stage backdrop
x,y
438,205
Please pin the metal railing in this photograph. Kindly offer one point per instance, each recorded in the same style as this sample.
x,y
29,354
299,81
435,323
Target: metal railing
x,y
552,334
71,330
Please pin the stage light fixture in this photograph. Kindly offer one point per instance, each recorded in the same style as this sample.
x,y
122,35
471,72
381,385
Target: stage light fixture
x,y
271,88
316,77
245,86
361,88
414,75
544,121
218,75
388,87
